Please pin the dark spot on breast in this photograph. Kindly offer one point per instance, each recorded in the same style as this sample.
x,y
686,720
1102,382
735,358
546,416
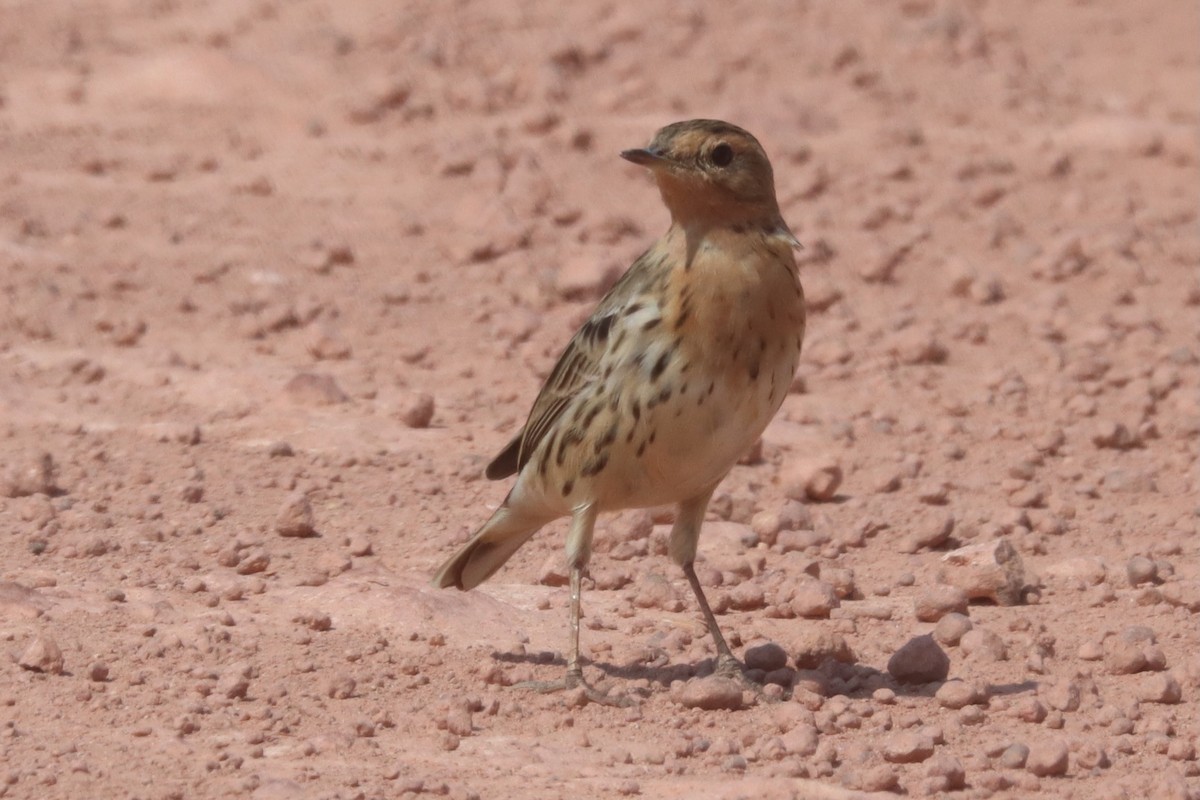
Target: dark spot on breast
x,y
684,312
641,448
683,389
737,227
664,395
590,417
652,324
567,487
607,439
615,403
572,437
762,344
712,385
660,366
653,436
595,465
754,371
637,410
633,308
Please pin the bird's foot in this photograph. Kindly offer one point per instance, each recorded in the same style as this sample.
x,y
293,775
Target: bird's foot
x,y
729,667
574,682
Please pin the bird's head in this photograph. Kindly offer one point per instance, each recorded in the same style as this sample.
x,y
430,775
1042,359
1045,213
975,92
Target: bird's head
x,y
710,172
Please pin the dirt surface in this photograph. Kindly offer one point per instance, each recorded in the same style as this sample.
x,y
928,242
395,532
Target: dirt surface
x,y
299,268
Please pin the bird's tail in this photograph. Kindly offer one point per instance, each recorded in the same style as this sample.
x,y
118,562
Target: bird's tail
x,y
489,548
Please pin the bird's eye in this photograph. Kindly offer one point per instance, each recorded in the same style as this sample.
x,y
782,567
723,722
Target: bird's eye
x,y
721,155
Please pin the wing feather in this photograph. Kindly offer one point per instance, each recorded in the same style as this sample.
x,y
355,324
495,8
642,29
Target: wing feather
x,y
579,365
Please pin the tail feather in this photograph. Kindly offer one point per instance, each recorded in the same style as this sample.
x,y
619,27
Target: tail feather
x,y
489,548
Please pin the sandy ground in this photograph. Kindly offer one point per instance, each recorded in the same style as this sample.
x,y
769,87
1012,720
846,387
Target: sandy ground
x,y
265,260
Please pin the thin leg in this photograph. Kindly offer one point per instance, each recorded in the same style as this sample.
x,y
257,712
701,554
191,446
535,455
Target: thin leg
x,y
579,550
685,536
574,668
727,664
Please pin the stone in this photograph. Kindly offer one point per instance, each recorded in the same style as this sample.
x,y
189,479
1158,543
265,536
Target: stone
x,y
938,601
295,517
416,410
949,772
767,657
951,628
712,693
816,646
1014,756
1140,569
1062,695
1185,593
815,479
930,532
42,655
920,660
907,748
28,476
1048,759
988,571
957,694
984,644
315,389
814,599
1161,687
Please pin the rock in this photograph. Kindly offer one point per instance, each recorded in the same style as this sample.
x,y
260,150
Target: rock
x,y
1123,656
951,628
416,410
97,671
802,740
767,657
1160,688
1087,570
235,682
985,644
313,389
255,561
1113,435
1141,570
326,343
907,748
814,599
931,533
989,570
1048,759
816,479
28,476
1014,756
920,660
949,771
957,694
42,655
554,571
712,693
295,517
938,601
1185,593
817,646
1063,695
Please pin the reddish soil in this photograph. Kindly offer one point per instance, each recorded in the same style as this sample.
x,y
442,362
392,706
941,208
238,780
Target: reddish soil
x,y
256,254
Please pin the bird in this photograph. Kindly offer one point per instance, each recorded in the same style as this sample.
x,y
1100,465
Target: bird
x,y
672,378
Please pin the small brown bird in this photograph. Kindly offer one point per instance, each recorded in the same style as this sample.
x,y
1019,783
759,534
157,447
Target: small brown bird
x,y
672,378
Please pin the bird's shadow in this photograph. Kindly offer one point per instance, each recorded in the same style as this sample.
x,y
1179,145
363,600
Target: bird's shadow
x,y
854,680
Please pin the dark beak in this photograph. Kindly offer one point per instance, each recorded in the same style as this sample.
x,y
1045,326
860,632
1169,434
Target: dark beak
x,y
643,157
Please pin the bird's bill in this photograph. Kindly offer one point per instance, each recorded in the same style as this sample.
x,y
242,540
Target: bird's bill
x,y
644,157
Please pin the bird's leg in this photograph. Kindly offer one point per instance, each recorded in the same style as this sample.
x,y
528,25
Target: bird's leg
x,y
579,551
727,663
685,536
